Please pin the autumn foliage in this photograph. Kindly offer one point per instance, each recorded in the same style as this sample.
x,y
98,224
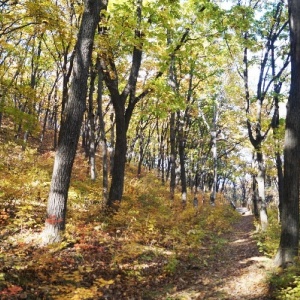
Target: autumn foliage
x,y
143,251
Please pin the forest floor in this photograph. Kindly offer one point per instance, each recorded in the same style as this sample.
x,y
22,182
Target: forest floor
x,y
149,250
227,268
237,272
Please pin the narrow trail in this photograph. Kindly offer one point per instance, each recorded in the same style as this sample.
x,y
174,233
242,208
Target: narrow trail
x,y
235,272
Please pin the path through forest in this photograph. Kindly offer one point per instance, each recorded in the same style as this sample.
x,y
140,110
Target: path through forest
x,y
236,271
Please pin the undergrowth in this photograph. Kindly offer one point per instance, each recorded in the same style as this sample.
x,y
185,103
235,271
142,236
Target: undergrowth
x,y
128,255
268,240
284,283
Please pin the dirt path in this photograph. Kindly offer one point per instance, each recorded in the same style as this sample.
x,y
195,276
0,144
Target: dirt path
x,y
235,272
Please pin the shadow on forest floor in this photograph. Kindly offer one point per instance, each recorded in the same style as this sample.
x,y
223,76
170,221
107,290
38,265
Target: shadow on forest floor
x,y
235,271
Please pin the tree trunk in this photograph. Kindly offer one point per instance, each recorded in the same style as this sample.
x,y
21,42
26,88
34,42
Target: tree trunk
x,y
122,115
118,171
102,138
214,154
112,143
276,132
55,112
275,126
260,180
255,197
280,183
172,159
70,127
92,128
181,152
289,239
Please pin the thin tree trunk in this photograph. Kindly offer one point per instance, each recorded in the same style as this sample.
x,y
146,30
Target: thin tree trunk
x,y
112,143
181,152
55,112
103,139
92,128
255,197
141,153
275,125
172,159
48,109
260,179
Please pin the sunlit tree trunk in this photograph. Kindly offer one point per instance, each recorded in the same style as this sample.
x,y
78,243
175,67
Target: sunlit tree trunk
x,y
181,152
260,180
214,154
289,239
162,130
172,160
112,142
70,127
91,142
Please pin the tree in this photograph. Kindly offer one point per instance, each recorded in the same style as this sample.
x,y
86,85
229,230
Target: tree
x,y
125,102
71,124
289,239
261,43
122,113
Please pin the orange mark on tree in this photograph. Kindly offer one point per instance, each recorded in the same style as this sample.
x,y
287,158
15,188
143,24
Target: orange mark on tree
x,y
53,220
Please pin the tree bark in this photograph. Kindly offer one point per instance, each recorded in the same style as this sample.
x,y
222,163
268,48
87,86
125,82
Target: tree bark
x,y
181,152
102,138
276,136
214,154
289,239
91,143
172,159
118,171
70,126
260,180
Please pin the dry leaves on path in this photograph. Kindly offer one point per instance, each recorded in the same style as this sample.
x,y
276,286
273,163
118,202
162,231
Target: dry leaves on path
x,y
236,271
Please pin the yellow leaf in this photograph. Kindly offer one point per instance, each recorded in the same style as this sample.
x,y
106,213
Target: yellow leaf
x,y
102,282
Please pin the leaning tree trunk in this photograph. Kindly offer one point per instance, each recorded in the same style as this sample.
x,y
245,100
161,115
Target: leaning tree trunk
x,y
289,239
70,126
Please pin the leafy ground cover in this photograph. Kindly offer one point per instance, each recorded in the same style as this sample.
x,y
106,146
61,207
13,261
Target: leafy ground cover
x,y
150,249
